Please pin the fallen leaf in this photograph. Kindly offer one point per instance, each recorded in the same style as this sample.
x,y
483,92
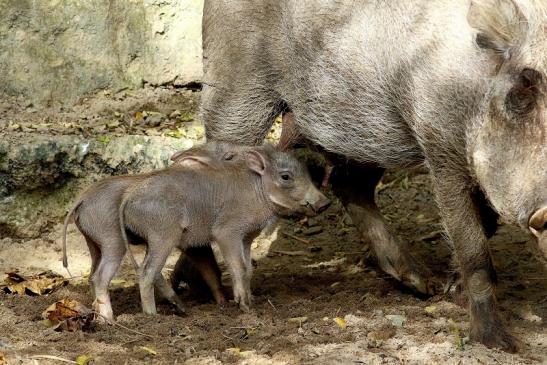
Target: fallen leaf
x,y
36,285
2,359
459,341
69,315
430,309
149,350
83,359
152,132
13,127
13,278
129,284
341,322
178,133
247,353
139,116
113,124
117,281
103,139
234,350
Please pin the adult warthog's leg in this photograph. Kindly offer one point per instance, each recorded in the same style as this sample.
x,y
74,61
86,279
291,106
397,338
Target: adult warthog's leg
x,y
354,184
468,227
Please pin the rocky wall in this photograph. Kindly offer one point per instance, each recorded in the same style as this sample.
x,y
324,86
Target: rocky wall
x,y
54,52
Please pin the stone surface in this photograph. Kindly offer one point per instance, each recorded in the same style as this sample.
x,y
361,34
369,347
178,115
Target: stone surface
x,y
40,176
55,52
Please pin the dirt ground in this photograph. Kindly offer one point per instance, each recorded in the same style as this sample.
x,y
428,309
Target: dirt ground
x,y
326,275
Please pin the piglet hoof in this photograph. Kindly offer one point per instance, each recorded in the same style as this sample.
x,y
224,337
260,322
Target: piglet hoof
x,y
179,310
412,274
242,304
244,307
101,313
496,337
422,285
221,301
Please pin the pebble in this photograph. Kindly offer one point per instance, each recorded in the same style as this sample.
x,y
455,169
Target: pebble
x,y
396,319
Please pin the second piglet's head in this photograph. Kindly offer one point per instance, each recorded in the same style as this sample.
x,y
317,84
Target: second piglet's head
x,y
285,182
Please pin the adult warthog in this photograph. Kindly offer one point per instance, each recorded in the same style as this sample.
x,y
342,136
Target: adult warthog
x,y
457,85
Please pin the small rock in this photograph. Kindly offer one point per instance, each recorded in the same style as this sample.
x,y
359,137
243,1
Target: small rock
x,y
374,344
382,334
298,320
154,119
378,313
396,319
313,230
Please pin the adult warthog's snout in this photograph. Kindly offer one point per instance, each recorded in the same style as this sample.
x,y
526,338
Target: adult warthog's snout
x,y
315,200
538,226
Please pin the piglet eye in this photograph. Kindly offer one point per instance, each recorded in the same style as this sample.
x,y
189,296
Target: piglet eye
x,y
229,156
285,176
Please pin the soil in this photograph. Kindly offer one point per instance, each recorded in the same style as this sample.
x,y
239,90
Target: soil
x,y
325,276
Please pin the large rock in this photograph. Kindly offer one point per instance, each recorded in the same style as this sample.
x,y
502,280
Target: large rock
x,y
53,52
40,176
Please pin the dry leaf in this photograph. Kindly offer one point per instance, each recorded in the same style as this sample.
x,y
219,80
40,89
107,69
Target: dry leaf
x,y
234,350
152,132
36,285
68,315
341,322
113,124
83,359
458,340
3,360
139,116
13,278
149,350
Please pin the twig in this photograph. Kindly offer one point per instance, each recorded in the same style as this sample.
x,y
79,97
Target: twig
x,y
273,306
69,274
51,357
228,337
297,238
291,253
122,326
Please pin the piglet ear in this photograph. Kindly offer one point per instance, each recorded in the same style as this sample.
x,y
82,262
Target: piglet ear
x,y
177,155
255,161
196,162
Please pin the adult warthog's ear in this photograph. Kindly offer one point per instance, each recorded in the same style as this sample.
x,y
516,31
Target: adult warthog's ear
x,y
255,161
501,24
524,94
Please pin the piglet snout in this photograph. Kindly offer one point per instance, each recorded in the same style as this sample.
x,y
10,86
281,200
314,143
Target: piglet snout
x,y
538,226
316,200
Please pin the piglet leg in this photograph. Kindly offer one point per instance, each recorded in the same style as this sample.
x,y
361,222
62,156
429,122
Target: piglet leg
x,y
234,254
